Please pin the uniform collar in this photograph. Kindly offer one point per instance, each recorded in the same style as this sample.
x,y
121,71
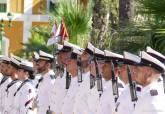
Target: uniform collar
x,y
86,75
74,78
147,88
121,82
107,84
50,72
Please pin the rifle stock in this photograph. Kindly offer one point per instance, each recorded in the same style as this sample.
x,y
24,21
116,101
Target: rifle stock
x,y
98,77
79,70
163,76
114,83
68,80
132,86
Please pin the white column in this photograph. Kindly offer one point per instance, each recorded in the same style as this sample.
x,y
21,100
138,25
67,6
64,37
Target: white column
x,y
5,46
8,5
28,4
27,26
48,5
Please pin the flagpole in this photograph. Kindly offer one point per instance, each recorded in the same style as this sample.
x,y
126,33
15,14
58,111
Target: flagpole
x,y
54,50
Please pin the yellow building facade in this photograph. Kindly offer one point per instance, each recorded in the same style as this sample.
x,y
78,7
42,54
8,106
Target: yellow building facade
x,y
26,13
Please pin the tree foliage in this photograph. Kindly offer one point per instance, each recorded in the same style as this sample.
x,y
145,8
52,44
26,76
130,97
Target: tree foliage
x,y
76,18
37,41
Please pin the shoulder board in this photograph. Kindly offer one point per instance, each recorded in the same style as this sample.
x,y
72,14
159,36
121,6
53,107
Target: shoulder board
x,y
138,88
153,92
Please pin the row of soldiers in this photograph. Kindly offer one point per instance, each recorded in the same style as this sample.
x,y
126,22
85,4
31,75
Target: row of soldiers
x,y
83,81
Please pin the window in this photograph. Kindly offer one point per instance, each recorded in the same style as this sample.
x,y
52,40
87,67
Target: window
x,y
3,7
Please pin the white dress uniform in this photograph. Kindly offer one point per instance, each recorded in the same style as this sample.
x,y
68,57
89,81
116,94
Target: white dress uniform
x,y
124,104
23,98
36,80
107,100
93,100
81,104
9,98
3,85
1,76
151,100
58,93
69,99
45,91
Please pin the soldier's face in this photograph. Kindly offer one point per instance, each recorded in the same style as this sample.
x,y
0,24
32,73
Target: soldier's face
x,y
92,69
72,66
10,70
85,56
41,66
85,59
143,75
63,57
134,71
106,71
123,73
4,68
21,74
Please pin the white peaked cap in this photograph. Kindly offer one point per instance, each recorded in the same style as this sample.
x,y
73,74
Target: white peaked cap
x,y
15,57
112,54
5,58
15,62
153,62
90,47
77,51
98,51
44,54
155,54
68,44
27,63
132,57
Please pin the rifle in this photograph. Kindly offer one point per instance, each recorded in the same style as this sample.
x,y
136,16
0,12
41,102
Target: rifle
x,y
79,70
98,78
163,76
132,86
114,83
68,80
92,81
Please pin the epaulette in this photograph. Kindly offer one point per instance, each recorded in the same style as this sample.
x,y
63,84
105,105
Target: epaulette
x,y
138,88
153,92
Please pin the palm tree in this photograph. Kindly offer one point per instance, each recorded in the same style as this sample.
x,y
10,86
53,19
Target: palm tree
x,y
100,22
76,18
126,12
37,41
